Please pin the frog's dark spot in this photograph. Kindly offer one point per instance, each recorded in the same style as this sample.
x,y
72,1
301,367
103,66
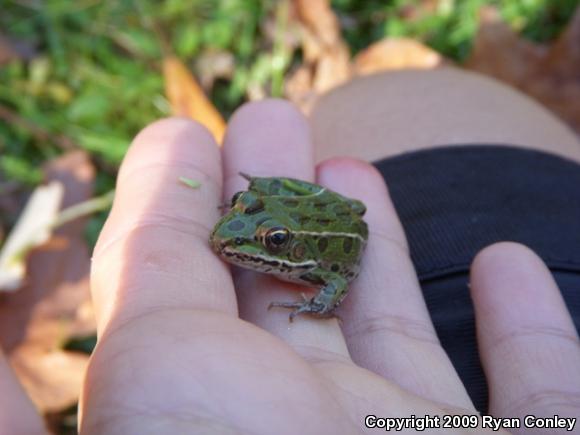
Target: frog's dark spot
x,y
254,207
291,203
236,225
347,245
275,187
321,206
298,251
322,245
296,217
335,267
324,221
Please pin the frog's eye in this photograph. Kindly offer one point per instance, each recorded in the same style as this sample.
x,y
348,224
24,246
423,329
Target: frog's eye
x,y
236,197
277,238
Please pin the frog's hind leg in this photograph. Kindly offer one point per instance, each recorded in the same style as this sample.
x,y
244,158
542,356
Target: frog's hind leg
x,y
323,303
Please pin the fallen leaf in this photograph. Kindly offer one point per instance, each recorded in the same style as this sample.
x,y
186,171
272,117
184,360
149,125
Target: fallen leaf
x,y
319,18
33,228
500,52
52,379
563,58
548,73
333,68
327,62
212,65
396,53
326,55
188,99
419,9
54,303
299,89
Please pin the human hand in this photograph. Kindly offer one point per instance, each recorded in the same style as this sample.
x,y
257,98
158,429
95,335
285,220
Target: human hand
x,y
181,351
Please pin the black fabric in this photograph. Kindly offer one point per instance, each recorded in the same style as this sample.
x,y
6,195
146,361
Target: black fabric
x,y
454,201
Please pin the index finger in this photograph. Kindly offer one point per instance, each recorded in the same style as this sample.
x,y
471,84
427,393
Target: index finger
x,y
153,252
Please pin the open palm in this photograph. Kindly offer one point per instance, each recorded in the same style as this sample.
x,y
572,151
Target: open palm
x,y
183,350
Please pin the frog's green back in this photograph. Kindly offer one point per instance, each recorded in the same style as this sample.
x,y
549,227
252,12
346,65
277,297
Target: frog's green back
x,y
290,187
334,234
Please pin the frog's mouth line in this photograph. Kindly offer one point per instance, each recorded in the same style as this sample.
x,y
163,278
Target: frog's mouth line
x,y
256,260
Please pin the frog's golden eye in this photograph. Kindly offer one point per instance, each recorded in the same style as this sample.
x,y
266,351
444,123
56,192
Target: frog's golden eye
x,y
277,238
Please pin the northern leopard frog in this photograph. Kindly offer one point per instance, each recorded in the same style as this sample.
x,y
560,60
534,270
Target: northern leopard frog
x,y
300,232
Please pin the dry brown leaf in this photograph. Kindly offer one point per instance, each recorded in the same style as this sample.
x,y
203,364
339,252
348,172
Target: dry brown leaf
x,y
500,52
54,304
396,53
327,62
563,58
326,55
333,68
419,9
319,18
322,44
188,99
550,74
299,89
212,65
33,228
51,379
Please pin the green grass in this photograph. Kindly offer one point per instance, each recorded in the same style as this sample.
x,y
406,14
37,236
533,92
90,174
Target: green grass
x,y
96,76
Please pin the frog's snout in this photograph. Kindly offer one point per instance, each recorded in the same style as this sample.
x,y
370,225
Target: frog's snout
x,y
219,244
215,242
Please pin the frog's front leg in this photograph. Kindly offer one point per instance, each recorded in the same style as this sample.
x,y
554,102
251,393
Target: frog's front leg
x,y
325,301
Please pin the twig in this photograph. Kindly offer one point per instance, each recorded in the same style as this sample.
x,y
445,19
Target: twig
x,y
84,208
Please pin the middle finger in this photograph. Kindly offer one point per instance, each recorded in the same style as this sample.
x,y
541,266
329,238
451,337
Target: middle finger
x,y
271,138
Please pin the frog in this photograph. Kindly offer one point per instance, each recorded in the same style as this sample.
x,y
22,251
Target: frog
x,y
298,231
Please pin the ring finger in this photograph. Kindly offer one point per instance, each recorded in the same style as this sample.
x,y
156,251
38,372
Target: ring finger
x,y
386,322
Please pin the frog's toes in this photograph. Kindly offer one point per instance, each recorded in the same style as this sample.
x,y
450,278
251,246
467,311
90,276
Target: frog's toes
x,y
305,300
304,297
308,306
285,305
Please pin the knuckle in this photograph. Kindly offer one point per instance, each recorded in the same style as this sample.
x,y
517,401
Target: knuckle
x,y
511,340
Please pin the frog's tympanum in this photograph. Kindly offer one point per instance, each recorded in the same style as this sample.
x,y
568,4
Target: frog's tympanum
x,y
300,232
